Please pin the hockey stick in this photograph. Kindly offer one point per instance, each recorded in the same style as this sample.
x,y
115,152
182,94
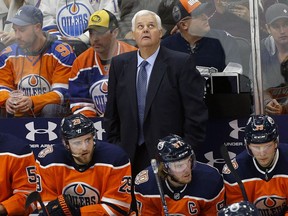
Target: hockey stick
x,y
35,197
162,196
225,155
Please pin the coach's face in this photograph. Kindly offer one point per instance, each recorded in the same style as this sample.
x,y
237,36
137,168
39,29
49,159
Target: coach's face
x,y
147,33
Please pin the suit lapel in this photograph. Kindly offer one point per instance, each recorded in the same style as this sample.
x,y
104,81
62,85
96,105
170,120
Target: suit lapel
x,y
130,69
159,69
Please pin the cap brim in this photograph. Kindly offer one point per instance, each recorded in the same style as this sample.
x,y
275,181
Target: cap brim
x,y
99,29
276,18
199,10
18,22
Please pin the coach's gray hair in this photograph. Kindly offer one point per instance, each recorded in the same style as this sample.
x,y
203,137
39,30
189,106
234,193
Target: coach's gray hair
x,y
144,13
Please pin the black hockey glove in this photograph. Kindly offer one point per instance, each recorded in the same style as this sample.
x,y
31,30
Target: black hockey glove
x,y
61,207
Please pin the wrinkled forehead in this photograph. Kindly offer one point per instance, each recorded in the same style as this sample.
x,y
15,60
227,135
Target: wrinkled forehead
x,y
147,18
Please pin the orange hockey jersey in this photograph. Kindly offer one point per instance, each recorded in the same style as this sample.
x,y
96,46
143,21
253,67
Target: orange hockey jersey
x,y
267,190
88,85
43,76
103,189
18,177
204,195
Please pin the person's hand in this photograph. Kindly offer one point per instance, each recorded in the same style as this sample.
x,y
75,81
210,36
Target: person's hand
x,y
274,108
7,38
241,11
61,207
22,105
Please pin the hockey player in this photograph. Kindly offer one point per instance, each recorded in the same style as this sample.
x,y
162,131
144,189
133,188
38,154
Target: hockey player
x,y
17,178
262,168
37,65
88,85
190,187
84,176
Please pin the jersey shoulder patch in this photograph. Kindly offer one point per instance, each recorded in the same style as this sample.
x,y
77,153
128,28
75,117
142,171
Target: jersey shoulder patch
x,y
226,170
142,177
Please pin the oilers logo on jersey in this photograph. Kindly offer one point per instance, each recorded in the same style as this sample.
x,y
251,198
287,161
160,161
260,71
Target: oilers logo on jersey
x,y
271,205
99,92
72,19
33,84
81,194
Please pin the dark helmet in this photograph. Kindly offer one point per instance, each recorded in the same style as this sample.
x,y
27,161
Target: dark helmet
x,y
239,209
75,126
173,148
260,129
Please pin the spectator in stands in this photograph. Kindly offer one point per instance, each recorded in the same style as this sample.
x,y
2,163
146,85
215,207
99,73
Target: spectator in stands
x,y
127,10
234,17
209,47
9,8
89,75
262,167
37,65
84,176
174,101
274,50
17,175
69,18
190,187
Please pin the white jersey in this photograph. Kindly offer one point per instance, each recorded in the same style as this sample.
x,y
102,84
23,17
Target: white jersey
x,y
70,17
10,11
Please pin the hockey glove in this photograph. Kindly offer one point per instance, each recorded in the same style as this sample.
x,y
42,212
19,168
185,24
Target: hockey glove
x,y
61,207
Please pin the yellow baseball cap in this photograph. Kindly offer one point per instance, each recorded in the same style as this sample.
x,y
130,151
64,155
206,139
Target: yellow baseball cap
x,y
102,21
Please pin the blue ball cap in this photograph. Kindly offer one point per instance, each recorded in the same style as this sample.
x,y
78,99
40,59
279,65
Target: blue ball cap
x,y
27,15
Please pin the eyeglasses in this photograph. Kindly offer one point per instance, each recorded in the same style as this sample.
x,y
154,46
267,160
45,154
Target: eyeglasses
x,y
180,166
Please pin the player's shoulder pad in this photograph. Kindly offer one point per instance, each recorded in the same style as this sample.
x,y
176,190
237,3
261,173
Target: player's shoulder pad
x,y
110,153
226,170
145,182
142,177
55,153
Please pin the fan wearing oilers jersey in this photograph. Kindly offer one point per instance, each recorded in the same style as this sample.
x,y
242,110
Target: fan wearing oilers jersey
x,y
69,18
37,65
262,168
88,83
189,187
90,176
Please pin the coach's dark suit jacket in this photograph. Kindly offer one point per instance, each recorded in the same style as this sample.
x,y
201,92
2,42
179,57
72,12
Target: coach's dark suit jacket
x,y
174,102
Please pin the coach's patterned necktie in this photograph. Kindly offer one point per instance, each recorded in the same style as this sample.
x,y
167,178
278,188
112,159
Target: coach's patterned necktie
x,y
141,98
